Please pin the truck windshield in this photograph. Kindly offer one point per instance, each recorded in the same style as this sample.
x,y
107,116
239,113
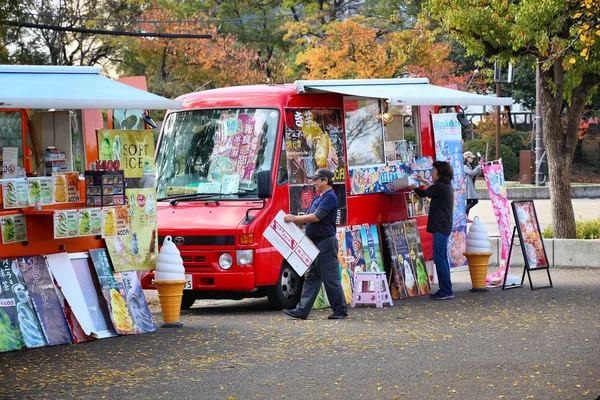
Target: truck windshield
x,y
216,151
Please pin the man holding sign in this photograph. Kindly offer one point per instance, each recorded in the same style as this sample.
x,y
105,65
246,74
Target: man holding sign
x,y
320,229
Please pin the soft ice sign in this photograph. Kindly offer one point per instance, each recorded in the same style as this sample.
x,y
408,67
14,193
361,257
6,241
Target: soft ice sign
x,y
293,245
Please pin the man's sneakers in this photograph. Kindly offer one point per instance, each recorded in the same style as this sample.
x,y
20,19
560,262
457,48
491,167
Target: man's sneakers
x,y
441,296
337,316
293,314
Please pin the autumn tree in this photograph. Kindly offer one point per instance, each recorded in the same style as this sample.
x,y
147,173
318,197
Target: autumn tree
x,y
177,66
561,36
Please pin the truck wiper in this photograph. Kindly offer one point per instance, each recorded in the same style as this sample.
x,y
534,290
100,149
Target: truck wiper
x,y
176,199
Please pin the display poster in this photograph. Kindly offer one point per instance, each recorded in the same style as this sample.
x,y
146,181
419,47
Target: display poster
x,y
363,251
530,235
15,193
133,149
90,222
423,166
40,191
47,306
407,285
314,139
14,286
14,228
448,147
9,159
137,251
77,331
416,205
345,274
66,187
10,332
416,255
114,293
493,174
376,179
236,147
291,243
136,301
66,224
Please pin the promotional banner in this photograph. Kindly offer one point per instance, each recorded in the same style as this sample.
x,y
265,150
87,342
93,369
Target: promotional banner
x,y
13,286
10,333
448,147
531,237
136,301
113,292
236,148
136,251
45,301
133,149
494,177
314,139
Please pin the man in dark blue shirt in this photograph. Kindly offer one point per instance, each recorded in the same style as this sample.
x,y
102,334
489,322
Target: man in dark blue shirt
x,y
320,228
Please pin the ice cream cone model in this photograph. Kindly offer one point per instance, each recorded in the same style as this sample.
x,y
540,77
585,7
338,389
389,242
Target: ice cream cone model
x,y
169,279
478,252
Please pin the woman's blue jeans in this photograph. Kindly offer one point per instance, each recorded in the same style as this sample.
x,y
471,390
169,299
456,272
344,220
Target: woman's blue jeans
x,y
442,267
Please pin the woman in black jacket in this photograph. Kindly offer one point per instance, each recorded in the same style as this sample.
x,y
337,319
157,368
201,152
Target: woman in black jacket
x,y
439,222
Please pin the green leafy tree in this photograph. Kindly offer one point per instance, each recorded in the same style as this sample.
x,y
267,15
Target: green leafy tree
x,y
561,36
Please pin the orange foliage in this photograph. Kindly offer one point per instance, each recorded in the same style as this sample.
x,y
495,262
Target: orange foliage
x,y
184,65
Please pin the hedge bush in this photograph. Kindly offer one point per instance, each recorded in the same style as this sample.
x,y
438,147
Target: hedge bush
x,y
509,160
588,229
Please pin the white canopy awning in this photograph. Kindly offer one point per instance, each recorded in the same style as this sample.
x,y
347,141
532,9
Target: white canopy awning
x,y
406,92
66,87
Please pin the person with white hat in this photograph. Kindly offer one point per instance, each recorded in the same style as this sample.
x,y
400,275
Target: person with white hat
x,y
471,173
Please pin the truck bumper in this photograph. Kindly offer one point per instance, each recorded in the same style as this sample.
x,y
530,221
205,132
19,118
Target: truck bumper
x,y
209,281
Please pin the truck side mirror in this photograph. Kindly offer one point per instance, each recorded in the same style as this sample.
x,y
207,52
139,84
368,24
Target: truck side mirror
x,y
265,186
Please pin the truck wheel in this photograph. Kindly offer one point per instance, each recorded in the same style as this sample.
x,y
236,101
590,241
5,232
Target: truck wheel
x,y
188,300
286,293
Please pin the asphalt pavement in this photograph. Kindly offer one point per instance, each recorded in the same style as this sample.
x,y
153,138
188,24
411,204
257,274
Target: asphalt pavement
x,y
511,344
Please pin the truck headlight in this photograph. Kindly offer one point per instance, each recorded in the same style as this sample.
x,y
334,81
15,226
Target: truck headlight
x,y
225,261
244,257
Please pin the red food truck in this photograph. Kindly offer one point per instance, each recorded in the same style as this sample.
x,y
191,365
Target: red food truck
x,y
231,158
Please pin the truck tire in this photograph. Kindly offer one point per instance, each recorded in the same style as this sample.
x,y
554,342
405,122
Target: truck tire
x,y
188,300
286,293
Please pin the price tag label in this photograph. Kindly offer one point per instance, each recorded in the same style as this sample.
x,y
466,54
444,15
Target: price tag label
x,y
108,165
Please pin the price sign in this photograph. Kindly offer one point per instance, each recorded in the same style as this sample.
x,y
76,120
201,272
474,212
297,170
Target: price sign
x,y
108,165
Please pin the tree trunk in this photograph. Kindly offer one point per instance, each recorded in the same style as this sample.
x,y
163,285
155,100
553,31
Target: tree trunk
x,y
560,142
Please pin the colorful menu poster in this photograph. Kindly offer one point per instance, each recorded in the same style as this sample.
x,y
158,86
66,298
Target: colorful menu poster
x,y
345,274
109,222
376,179
315,139
416,255
236,148
448,147
14,285
136,301
65,224
66,187
137,251
406,271
15,193
40,191
45,301
113,292
14,228
10,333
133,149
90,222
531,237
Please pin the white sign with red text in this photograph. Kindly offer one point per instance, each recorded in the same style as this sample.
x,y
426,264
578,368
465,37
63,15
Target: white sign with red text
x,y
292,243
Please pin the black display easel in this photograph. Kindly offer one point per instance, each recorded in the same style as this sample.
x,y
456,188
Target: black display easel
x,y
527,268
